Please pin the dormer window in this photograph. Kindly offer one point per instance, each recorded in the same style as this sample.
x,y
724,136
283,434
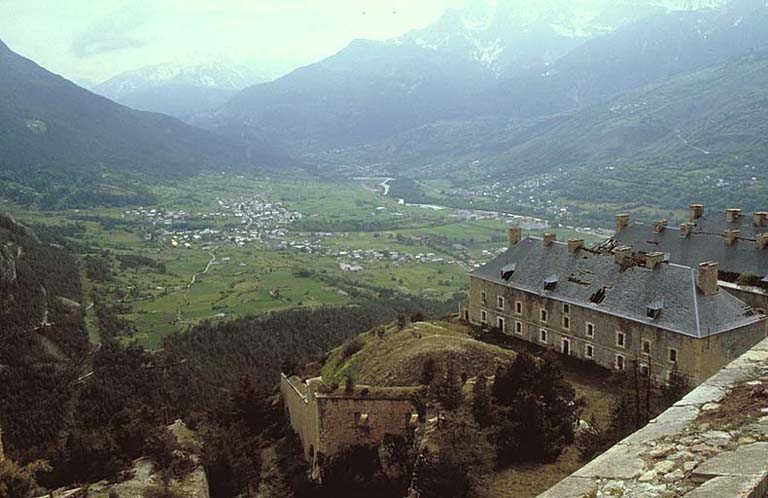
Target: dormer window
x,y
653,310
550,283
507,271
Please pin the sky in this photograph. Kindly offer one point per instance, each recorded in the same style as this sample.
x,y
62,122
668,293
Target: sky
x,y
89,41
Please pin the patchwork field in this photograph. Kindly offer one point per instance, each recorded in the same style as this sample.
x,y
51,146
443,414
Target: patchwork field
x,y
216,247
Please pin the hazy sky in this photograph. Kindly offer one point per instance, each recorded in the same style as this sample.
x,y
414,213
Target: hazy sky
x,y
92,40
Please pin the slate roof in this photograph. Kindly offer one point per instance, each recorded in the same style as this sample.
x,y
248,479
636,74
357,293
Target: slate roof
x,y
628,293
741,257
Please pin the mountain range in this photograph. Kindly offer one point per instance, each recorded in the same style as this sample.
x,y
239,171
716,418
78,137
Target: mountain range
x,y
180,89
65,146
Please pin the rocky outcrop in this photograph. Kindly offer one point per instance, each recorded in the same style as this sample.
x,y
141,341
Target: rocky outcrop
x,y
7,265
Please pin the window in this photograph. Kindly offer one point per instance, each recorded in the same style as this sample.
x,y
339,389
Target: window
x,y
543,336
567,323
484,316
644,371
362,420
619,362
466,315
672,355
500,303
565,346
519,307
501,324
590,330
646,348
621,339
543,315
484,297
518,327
589,351
566,308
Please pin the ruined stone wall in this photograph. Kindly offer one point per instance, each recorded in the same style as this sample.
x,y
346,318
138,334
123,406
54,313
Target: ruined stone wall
x,y
755,297
568,328
341,424
711,444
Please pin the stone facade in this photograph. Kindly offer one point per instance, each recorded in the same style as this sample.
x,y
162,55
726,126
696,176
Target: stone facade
x,y
621,310
572,329
329,422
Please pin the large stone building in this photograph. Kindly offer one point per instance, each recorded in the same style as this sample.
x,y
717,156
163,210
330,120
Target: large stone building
x,y
327,422
738,242
620,309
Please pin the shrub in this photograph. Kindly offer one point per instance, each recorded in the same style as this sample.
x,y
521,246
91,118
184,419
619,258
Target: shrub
x,y
351,347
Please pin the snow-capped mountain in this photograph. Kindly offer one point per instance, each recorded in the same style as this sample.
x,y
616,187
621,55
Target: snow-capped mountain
x,y
180,89
515,36
216,73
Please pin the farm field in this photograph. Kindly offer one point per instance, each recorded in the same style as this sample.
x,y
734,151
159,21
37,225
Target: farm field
x,y
217,247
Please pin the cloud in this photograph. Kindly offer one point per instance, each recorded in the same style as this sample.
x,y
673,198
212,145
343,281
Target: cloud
x,y
116,32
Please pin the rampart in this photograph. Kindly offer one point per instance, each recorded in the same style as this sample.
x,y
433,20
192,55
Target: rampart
x,y
711,444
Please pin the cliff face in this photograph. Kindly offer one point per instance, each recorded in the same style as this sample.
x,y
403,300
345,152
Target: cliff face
x,y
7,265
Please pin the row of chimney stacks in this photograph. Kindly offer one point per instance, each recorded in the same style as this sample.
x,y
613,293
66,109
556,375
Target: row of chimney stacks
x,y
515,235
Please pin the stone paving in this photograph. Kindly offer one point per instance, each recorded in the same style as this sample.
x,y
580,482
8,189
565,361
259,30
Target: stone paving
x,y
692,450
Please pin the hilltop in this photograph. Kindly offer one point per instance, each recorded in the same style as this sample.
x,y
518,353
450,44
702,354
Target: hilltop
x,y
390,356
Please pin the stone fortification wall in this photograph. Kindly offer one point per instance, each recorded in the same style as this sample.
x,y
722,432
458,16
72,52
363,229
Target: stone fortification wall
x,y
711,444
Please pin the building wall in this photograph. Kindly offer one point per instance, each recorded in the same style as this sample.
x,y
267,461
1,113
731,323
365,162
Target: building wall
x,y
339,427
755,298
302,413
327,423
696,358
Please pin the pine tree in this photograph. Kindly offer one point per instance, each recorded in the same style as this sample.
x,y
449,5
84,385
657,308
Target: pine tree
x,y
481,402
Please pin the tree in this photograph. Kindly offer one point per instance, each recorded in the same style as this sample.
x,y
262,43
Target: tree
x,y
675,389
538,411
17,481
447,388
428,371
481,402
591,440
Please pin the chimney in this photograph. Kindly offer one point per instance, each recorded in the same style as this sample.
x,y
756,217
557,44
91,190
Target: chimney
x,y
653,259
732,215
686,229
697,211
708,277
621,253
760,219
575,244
514,235
622,222
549,238
660,225
762,240
731,236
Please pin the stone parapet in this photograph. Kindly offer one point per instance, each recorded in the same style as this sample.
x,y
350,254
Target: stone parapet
x,y
713,443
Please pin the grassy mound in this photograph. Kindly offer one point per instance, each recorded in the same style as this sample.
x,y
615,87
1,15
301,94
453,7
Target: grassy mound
x,y
391,357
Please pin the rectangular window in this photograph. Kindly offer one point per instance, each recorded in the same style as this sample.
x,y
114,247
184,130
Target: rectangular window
x,y
644,370
483,316
621,339
565,346
484,297
519,307
518,327
543,336
543,315
646,347
619,362
500,303
501,324
590,330
672,355
567,323
566,308
589,351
